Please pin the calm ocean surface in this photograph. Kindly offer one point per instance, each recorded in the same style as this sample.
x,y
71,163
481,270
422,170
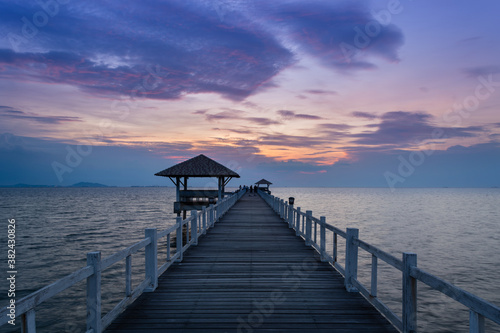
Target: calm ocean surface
x,y
455,232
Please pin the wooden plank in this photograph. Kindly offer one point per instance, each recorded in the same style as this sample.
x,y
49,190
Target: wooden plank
x,y
250,272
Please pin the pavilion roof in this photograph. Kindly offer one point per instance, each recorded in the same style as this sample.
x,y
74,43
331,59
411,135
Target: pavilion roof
x,y
199,166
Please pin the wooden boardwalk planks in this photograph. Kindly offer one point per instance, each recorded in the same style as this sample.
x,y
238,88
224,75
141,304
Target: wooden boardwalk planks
x,y
250,273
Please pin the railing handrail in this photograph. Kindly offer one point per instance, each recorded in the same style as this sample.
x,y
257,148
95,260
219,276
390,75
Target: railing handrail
x,y
302,223
26,305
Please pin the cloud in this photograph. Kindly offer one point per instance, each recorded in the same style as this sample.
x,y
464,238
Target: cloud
x,y
320,29
366,115
321,92
154,50
30,161
10,113
288,115
474,72
170,49
400,129
239,115
329,126
291,140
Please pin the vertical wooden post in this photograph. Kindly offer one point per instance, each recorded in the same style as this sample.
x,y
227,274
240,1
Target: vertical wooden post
x,y
128,275
285,211
177,192
322,237
290,216
351,259
204,219
28,322
297,228
334,247
476,322
179,237
168,247
194,226
211,215
409,294
373,289
94,293
151,260
308,227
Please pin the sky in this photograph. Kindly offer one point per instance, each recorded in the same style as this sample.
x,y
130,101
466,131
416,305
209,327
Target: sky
x,y
303,93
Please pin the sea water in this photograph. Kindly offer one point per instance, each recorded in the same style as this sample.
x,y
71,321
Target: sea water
x,y
455,233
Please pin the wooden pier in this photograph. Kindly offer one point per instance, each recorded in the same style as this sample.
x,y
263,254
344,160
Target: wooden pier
x,y
251,263
251,273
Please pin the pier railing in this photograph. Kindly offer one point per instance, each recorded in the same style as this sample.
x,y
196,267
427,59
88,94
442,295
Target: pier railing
x,y
306,226
197,224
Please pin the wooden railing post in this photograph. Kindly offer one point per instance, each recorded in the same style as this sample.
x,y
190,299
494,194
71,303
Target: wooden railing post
x,y
290,216
476,322
204,219
373,289
194,226
285,211
297,228
351,259
94,293
308,227
151,260
409,294
179,237
211,215
334,247
28,323
128,275
322,238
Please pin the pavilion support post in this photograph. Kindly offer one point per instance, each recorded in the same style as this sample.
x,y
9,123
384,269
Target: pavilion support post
x,y
178,192
220,181
185,189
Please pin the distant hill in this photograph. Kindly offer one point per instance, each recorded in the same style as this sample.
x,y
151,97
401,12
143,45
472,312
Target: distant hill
x,y
87,184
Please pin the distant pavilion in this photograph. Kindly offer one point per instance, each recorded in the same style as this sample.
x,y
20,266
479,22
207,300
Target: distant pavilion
x,y
265,183
201,167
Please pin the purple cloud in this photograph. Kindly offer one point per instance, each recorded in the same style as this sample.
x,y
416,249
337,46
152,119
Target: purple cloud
x,y
239,115
339,127
166,50
323,29
366,115
292,140
400,129
321,92
155,50
287,114
474,72
10,113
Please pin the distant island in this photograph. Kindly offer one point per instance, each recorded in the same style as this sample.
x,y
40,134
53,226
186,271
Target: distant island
x,y
80,184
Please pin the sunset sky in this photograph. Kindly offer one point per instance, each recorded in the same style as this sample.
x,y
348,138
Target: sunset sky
x,y
302,93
